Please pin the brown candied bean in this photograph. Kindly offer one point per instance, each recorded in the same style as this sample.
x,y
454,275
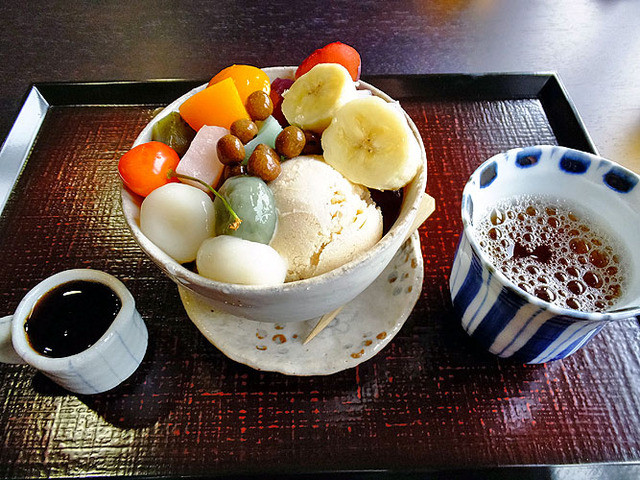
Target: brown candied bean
x,y
312,144
264,162
230,150
259,105
233,171
290,142
244,129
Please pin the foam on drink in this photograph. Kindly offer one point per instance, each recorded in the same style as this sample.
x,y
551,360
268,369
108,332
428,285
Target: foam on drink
x,y
552,249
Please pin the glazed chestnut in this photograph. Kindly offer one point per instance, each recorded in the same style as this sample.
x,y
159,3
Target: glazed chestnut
x,y
259,105
245,129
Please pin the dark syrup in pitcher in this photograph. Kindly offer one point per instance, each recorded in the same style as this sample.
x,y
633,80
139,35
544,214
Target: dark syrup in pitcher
x,y
71,317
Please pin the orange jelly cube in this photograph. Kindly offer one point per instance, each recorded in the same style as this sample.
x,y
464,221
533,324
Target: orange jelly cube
x,y
217,105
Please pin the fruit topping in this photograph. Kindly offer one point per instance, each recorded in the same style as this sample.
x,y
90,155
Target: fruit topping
x,y
312,144
370,143
246,78
245,129
259,105
278,87
335,52
144,168
264,162
235,260
219,104
177,218
172,130
316,96
252,200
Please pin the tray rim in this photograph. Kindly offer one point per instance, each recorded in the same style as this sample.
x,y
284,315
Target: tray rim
x,y
563,117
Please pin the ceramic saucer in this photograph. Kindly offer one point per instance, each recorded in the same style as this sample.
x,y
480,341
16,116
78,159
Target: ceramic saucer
x,y
361,329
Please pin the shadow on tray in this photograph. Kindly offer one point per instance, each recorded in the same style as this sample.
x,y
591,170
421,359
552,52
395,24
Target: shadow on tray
x,y
138,402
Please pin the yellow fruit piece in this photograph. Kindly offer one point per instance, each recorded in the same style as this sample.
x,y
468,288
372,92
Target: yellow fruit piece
x,y
316,96
247,78
369,142
218,105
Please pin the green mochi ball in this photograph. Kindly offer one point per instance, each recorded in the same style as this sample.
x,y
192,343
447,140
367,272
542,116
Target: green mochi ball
x,y
253,202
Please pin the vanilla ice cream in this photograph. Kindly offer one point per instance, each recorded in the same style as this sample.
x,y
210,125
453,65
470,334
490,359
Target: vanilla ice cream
x,y
323,218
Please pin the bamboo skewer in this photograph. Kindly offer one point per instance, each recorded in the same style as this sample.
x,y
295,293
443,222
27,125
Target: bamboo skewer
x,y
425,209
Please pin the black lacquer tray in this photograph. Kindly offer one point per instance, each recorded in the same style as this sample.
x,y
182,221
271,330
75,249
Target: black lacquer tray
x,y
431,403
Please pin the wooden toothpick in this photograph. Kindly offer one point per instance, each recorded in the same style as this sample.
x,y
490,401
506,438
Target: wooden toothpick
x,y
325,320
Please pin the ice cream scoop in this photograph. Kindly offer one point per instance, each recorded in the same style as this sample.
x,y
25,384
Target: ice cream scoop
x,y
323,218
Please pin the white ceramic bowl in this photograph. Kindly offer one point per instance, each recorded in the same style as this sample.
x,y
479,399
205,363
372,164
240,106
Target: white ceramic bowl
x,y
292,301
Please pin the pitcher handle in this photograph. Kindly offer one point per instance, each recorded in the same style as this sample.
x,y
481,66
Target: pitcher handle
x,y
7,353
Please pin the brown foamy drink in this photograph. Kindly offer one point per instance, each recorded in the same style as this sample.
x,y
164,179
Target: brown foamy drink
x,y
552,249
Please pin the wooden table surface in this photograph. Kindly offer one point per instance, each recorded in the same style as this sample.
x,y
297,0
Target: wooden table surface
x,y
593,45
476,410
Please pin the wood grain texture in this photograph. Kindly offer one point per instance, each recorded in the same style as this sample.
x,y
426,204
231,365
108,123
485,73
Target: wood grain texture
x,y
593,45
430,399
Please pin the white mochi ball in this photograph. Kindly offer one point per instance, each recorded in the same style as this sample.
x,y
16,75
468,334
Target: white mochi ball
x,y
177,218
235,260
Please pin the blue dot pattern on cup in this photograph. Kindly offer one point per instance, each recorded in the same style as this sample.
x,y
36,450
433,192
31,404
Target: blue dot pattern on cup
x,y
504,319
488,175
619,180
574,163
528,157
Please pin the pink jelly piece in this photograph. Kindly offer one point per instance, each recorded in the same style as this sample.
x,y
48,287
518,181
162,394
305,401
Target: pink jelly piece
x,y
201,160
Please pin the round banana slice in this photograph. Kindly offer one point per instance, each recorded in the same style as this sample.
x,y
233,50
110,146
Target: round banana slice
x,y
370,143
314,98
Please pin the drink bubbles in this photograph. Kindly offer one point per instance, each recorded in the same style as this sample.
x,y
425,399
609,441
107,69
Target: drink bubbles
x,y
548,252
555,250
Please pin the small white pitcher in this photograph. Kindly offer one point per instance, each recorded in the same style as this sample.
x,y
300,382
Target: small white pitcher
x,y
102,366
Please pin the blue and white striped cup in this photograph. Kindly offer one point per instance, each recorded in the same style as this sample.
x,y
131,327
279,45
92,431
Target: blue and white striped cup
x,y
502,317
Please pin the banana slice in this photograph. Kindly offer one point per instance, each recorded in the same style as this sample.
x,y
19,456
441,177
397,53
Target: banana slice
x,y
370,143
314,98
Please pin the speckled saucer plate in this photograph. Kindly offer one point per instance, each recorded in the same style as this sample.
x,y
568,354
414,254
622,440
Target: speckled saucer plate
x,y
361,329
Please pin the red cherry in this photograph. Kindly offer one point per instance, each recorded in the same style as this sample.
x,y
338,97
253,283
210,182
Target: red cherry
x,y
145,167
335,52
